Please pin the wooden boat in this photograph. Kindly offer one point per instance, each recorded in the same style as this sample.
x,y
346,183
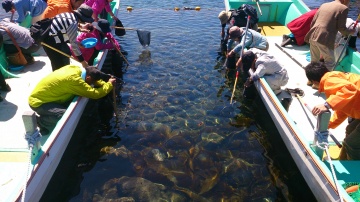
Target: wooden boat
x,y
25,173
325,177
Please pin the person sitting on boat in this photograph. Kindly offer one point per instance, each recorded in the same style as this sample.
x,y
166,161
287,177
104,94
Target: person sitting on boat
x,y
35,7
3,85
342,91
61,6
102,30
265,65
299,27
22,37
53,94
252,39
98,6
328,20
63,29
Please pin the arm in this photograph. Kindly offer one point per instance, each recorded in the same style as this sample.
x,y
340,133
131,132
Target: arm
x,y
248,42
81,88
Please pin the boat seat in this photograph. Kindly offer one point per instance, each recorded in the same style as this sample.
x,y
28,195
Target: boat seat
x,y
346,171
273,29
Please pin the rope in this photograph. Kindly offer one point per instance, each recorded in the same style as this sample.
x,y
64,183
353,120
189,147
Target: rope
x,y
325,146
32,140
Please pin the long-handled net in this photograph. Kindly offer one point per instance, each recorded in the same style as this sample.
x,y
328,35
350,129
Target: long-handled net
x,y
143,35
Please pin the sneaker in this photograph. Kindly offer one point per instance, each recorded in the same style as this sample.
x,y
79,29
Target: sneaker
x,y
30,61
6,88
286,42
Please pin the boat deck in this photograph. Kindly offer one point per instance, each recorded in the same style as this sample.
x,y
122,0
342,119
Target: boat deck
x,y
293,58
14,153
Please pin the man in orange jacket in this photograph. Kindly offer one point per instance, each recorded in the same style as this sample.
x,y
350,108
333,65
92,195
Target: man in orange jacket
x,y
342,92
61,6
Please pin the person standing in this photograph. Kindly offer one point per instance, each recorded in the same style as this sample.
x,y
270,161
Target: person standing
x,y
63,29
53,94
342,91
98,6
328,20
35,7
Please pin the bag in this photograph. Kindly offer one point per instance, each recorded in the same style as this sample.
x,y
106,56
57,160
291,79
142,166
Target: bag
x,y
249,10
16,58
40,29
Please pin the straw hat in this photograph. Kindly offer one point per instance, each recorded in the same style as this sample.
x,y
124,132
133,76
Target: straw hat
x,y
224,16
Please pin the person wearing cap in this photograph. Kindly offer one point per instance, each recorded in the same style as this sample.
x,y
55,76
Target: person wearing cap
x,y
264,65
100,31
52,95
98,6
63,29
61,6
35,7
253,39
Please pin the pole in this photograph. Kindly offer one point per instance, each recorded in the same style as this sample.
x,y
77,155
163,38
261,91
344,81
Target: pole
x,y
242,50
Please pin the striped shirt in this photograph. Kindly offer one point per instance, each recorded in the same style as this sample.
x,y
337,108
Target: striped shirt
x,y
67,25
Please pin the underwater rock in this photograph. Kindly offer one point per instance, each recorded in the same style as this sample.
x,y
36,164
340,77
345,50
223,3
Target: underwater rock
x,y
139,189
177,143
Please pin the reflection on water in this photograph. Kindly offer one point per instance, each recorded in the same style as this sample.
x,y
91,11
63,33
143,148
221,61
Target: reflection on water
x,y
181,140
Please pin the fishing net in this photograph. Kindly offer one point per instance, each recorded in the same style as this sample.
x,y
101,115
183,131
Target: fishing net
x,y
144,37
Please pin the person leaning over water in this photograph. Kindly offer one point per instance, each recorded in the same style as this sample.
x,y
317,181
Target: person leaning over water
x,y
342,91
264,65
35,7
328,20
53,94
63,29
253,39
21,36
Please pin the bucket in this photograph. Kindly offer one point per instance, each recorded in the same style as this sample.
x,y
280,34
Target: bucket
x,y
355,194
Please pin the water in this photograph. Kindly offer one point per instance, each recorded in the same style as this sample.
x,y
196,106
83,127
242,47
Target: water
x,y
181,140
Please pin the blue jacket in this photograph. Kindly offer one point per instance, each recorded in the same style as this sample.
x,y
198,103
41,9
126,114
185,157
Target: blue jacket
x,y
253,40
35,7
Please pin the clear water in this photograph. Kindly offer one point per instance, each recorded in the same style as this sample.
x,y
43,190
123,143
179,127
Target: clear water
x,y
181,139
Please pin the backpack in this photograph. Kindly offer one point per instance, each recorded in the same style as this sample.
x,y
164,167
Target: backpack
x,y
249,10
40,29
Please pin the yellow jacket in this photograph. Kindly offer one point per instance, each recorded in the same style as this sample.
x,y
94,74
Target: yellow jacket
x,y
342,91
62,85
